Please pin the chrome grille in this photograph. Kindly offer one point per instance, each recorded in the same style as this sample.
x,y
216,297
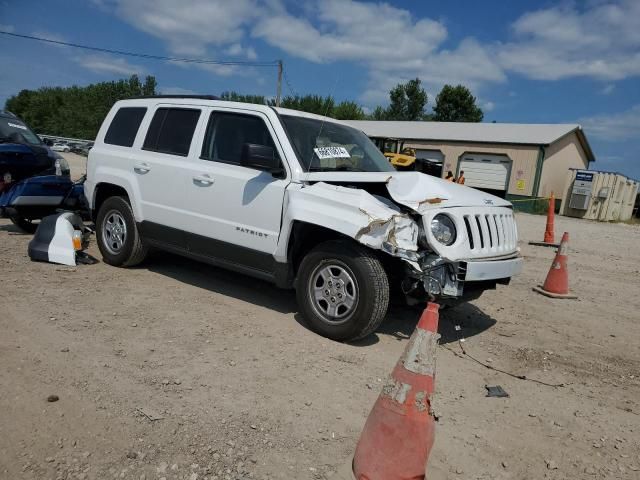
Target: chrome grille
x,y
491,233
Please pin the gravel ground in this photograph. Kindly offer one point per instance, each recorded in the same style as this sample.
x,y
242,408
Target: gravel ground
x,y
179,370
77,163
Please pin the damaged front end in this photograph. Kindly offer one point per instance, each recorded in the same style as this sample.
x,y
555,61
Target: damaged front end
x,y
380,223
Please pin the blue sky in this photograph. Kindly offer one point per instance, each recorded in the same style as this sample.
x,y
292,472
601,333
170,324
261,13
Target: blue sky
x,y
526,61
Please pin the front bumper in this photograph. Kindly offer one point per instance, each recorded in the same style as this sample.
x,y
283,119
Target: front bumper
x,y
478,270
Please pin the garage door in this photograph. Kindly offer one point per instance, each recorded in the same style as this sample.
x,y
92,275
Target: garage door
x,y
434,156
488,172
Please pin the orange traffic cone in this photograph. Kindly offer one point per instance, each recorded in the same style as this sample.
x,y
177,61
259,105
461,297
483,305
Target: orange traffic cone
x,y
399,432
557,283
549,234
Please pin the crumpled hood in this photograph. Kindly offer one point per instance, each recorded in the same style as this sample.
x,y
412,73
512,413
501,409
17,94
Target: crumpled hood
x,y
415,190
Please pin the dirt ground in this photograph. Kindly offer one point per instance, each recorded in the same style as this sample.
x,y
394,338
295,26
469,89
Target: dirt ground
x,y
179,370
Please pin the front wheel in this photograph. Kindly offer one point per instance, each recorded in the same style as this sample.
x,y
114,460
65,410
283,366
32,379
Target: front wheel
x,y
342,290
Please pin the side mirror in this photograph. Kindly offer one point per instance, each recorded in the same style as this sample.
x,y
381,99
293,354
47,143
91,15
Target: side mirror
x,y
261,157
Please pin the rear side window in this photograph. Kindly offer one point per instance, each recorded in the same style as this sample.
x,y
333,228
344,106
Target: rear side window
x,y
124,126
228,132
171,131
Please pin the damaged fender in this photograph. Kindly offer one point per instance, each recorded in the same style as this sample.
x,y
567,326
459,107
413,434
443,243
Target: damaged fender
x,y
354,213
58,238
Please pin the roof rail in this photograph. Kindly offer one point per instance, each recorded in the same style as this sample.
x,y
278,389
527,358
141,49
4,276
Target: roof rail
x,y
201,97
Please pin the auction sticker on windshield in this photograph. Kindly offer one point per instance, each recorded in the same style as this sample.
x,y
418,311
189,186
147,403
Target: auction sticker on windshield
x,y
331,152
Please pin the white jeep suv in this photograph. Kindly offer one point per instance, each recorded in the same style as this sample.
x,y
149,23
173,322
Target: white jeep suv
x,y
300,200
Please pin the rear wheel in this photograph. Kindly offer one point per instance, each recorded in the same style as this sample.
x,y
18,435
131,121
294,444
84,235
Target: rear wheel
x,y
342,290
24,224
117,234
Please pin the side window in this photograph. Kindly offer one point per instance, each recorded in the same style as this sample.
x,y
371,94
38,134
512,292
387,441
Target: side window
x,y
124,126
171,131
228,132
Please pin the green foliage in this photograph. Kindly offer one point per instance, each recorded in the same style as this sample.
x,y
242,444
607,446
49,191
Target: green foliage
x,y
318,104
75,111
238,97
456,104
348,110
310,103
379,113
407,101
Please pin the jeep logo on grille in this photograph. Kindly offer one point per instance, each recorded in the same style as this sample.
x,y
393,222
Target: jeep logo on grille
x,y
488,201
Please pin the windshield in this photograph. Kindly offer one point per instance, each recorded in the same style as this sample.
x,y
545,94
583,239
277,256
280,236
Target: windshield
x,y
15,131
327,146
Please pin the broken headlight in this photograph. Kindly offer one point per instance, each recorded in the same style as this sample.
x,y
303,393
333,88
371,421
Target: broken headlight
x,y
443,229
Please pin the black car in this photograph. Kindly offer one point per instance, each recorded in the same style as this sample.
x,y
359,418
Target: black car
x,y
23,155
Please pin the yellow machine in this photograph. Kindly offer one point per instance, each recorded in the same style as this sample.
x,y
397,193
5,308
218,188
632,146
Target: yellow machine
x,y
404,160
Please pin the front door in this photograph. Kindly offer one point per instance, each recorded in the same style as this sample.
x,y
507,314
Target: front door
x,y
234,212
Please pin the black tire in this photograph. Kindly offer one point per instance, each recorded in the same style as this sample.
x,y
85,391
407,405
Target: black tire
x,y
371,290
24,224
132,249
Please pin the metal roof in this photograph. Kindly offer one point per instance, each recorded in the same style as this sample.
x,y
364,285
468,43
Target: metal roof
x,y
510,133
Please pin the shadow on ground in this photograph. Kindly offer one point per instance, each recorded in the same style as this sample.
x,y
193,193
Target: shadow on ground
x,y
400,322
224,282
12,229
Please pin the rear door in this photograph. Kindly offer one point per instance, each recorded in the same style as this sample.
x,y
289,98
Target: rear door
x,y
159,169
234,212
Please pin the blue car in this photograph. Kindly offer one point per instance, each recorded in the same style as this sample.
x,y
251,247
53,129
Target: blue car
x,y
34,181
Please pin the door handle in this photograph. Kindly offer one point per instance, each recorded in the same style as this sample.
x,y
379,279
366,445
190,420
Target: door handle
x,y
204,180
141,168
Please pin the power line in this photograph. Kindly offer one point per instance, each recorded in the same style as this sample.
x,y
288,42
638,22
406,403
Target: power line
x,y
273,63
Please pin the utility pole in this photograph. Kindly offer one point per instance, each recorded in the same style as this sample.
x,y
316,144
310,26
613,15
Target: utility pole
x,y
279,94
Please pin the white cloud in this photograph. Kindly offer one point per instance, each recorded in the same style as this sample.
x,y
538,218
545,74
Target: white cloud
x,y
7,28
614,126
251,53
391,44
176,91
108,64
237,50
190,27
488,106
56,37
600,41
354,31
608,89
220,70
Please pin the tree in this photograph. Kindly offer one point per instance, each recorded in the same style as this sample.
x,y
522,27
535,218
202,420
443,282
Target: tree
x,y
456,104
348,110
310,103
238,97
379,113
150,85
407,101
75,111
